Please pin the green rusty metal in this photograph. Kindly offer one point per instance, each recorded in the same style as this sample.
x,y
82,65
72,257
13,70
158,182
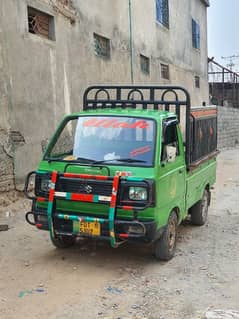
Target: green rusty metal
x,y
112,227
85,219
175,186
49,218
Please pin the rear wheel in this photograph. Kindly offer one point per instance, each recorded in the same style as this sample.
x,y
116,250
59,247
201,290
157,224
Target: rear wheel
x,y
165,246
199,211
63,241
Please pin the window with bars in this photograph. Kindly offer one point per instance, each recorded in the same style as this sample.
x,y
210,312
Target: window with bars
x,y
40,23
162,12
165,71
195,34
102,46
197,81
144,64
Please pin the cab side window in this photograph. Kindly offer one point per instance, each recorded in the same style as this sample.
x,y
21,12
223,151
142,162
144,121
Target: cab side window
x,y
170,144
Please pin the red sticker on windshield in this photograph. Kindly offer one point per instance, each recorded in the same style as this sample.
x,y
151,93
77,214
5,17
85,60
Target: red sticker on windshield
x,y
139,151
114,123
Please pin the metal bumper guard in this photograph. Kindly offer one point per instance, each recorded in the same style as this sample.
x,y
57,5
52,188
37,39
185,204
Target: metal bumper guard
x,y
54,194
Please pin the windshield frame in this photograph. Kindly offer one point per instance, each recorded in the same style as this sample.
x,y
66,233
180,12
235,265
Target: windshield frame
x,y
64,122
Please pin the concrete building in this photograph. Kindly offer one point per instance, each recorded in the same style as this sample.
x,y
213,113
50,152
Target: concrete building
x,y
51,50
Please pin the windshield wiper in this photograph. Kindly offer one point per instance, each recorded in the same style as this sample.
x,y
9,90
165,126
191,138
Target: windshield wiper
x,y
123,160
84,159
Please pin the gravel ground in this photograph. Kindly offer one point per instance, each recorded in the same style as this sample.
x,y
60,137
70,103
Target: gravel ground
x,y
93,281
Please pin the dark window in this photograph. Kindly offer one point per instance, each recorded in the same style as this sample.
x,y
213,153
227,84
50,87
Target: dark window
x,y
197,82
165,71
102,46
195,34
144,64
162,12
170,145
40,23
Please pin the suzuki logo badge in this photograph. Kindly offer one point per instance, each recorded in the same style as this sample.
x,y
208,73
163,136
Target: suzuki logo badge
x,y
88,189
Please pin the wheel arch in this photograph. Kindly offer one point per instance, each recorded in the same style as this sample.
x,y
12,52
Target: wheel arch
x,y
208,187
176,209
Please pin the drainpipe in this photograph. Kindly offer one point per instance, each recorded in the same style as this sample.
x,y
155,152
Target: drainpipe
x,y
131,43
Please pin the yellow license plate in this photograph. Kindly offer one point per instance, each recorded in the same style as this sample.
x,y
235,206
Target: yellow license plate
x,y
90,228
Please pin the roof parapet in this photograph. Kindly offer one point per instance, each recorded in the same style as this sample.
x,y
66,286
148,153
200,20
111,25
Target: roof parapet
x,y
206,2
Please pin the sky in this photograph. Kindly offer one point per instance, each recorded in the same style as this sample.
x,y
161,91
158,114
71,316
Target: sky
x,y
223,31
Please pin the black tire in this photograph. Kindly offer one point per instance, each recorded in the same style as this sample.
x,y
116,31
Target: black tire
x,y
199,211
63,241
165,246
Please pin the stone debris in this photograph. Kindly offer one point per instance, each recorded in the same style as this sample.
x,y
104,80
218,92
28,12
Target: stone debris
x,y
114,290
4,227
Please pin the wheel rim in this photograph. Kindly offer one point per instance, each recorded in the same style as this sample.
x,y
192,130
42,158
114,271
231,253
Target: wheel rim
x,y
171,234
204,206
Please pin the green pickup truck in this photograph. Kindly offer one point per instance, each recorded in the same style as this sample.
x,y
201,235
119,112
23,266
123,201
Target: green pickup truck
x,y
130,167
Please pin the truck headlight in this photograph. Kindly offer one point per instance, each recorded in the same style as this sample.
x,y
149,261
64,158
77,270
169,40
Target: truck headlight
x,y
45,184
138,193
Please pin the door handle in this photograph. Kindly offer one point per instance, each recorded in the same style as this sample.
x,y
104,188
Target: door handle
x,y
180,171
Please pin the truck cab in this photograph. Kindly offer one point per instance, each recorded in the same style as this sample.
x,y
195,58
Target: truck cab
x,y
124,170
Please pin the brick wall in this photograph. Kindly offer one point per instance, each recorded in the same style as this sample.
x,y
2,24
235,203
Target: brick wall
x,y
228,127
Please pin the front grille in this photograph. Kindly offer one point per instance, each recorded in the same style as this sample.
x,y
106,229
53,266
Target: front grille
x,y
72,185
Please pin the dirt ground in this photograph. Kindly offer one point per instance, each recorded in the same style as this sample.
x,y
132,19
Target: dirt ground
x,y
93,280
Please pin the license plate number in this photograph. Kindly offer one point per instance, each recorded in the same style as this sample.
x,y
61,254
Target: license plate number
x,y
88,228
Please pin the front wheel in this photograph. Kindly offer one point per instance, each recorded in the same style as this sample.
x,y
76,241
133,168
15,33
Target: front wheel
x,y
199,211
165,246
63,241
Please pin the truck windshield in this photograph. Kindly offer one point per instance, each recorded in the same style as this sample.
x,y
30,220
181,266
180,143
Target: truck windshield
x,y
113,140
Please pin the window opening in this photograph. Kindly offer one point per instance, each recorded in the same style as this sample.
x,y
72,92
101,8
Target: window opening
x,y
102,46
165,71
162,12
144,64
197,82
40,23
170,145
195,34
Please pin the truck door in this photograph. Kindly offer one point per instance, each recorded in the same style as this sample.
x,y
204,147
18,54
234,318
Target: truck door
x,y
172,171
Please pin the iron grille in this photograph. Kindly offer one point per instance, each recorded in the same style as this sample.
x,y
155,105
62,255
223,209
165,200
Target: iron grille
x,y
83,186
102,46
40,23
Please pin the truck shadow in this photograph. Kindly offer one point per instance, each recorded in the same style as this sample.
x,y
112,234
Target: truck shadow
x,y
99,254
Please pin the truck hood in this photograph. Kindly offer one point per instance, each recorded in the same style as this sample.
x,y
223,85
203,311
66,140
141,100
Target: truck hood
x,y
106,170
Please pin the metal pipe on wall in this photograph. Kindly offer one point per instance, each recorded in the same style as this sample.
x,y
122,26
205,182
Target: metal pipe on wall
x,y
131,43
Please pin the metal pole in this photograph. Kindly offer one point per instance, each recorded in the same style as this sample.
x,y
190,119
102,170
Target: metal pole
x,y
234,91
237,91
223,81
131,43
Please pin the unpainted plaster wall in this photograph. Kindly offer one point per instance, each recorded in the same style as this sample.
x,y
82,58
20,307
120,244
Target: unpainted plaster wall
x,y
42,80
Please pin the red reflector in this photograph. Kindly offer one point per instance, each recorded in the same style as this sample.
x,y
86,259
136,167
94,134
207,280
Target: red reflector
x,y
39,225
128,207
124,235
